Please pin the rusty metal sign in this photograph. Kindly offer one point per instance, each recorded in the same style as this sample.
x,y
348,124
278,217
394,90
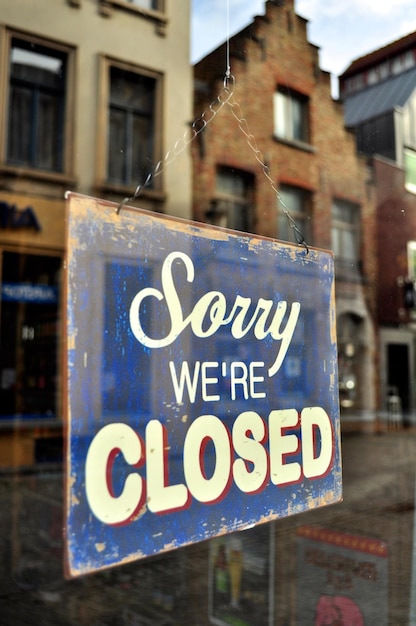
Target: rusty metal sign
x,y
201,383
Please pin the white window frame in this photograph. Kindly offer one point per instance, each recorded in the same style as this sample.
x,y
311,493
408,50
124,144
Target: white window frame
x,y
233,204
139,8
291,110
346,234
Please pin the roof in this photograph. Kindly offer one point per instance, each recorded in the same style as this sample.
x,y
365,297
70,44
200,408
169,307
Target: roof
x,y
379,98
373,58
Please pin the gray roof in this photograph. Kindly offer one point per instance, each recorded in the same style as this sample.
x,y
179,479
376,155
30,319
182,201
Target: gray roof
x,y
380,98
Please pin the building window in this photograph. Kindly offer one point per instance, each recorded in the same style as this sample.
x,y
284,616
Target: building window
x,y
153,10
232,206
291,116
410,169
29,336
345,235
153,5
403,62
36,105
350,356
133,106
411,259
297,202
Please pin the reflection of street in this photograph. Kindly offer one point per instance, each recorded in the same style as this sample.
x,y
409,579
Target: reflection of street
x,y
364,561
340,577
175,588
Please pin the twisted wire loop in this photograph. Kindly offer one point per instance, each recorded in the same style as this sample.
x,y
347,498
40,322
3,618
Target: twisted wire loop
x,y
225,97
197,126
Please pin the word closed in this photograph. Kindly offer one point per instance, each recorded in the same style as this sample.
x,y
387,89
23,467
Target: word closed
x,y
241,457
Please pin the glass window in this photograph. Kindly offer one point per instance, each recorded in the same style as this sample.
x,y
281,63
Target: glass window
x,y
349,563
297,202
36,106
411,259
291,116
150,9
350,359
410,169
372,76
232,206
131,146
146,4
28,336
345,235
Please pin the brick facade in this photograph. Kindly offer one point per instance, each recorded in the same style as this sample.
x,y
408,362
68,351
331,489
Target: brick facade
x,y
271,53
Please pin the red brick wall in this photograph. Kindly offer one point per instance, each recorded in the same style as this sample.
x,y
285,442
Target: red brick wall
x,y
274,51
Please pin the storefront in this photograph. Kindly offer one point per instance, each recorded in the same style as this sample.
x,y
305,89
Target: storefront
x,y
31,250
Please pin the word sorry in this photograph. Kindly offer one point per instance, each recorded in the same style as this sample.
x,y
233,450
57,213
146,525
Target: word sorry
x,y
211,311
239,456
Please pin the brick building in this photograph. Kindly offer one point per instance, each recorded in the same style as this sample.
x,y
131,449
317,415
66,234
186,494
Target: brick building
x,y
379,96
286,101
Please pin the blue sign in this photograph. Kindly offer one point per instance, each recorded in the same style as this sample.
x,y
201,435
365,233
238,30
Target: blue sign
x,y
202,391
23,292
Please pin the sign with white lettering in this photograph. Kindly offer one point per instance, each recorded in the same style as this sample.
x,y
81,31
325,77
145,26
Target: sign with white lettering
x,y
201,383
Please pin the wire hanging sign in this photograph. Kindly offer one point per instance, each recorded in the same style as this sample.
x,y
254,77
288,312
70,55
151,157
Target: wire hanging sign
x,y
197,126
200,377
224,98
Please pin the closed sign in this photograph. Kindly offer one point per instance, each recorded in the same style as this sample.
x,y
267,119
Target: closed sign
x,y
201,380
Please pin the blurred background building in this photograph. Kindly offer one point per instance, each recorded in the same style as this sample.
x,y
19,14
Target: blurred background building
x,y
379,97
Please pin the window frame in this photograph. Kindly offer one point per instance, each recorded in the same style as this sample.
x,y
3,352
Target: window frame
x,y
411,260
284,99
55,420
103,184
158,15
346,265
302,218
409,155
137,4
224,204
66,173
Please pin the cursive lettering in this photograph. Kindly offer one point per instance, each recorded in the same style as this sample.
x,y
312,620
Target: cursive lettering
x,y
212,307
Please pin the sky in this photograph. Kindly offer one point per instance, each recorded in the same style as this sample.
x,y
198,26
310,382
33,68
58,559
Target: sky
x,y
342,30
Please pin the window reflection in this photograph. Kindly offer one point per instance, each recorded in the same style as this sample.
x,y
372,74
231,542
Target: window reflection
x,y
37,106
351,561
28,336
